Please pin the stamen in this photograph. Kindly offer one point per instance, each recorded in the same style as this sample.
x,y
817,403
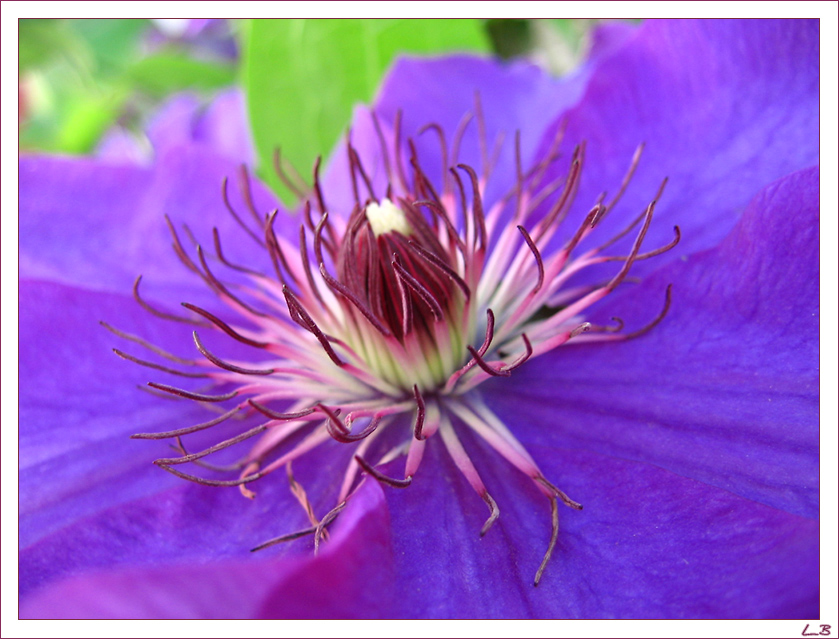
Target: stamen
x,y
528,351
442,267
397,150
235,215
657,320
565,499
361,171
423,293
280,416
224,326
643,256
375,474
275,252
198,397
382,145
212,482
189,429
247,194
551,544
298,190
327,519
145,344
634,222
477,207
158,367
299,315
465,465
420,419
212,449
536,254
349,295
227,263
443,149
636,159
161,314
221,288
225,365
486,367
307,266
300,494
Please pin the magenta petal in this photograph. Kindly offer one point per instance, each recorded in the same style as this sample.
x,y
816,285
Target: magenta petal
x,y
350,578
726,389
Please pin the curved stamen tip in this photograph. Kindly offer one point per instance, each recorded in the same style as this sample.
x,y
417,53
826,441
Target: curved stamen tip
x,y
494,513
582,328
375,474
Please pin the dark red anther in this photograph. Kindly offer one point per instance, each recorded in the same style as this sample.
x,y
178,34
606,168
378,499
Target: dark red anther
x,y
375,474
502,372
420,419
159,367
224,326
225,261
227,365
235,215
280,416
227,443
301,317
528,351
299,190
188,429
198,397
536,254
477,207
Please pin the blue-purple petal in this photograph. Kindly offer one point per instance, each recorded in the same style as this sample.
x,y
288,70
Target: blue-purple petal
x,y
648,544
726,389
100,225
723,108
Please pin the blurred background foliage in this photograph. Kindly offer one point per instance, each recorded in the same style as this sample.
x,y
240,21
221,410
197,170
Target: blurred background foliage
x,y
79,79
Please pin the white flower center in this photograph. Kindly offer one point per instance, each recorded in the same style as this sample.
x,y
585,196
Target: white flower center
x,y
386,217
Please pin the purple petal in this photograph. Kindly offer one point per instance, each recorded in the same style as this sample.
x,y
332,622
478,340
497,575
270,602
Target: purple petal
x,y
79,403
222,125
104,237
350,578
514,96
648,544
723,107
726,389
608,37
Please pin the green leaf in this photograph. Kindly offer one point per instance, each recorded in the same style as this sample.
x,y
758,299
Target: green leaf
x,y
86,119
166,72
302,77
112,43
44,40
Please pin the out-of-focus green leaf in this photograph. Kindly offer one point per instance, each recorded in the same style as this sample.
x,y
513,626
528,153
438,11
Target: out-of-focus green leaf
x,y
113,43
166,72
86,119
42,40
302,77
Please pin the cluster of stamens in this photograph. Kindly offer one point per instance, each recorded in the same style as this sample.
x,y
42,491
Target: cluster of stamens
x,y
387,317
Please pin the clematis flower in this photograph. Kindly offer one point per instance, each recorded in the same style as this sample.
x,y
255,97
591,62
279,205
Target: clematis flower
x,y
693,445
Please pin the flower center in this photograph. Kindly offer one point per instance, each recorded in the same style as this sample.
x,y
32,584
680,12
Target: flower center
x,y
386,217
396,270
393,318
